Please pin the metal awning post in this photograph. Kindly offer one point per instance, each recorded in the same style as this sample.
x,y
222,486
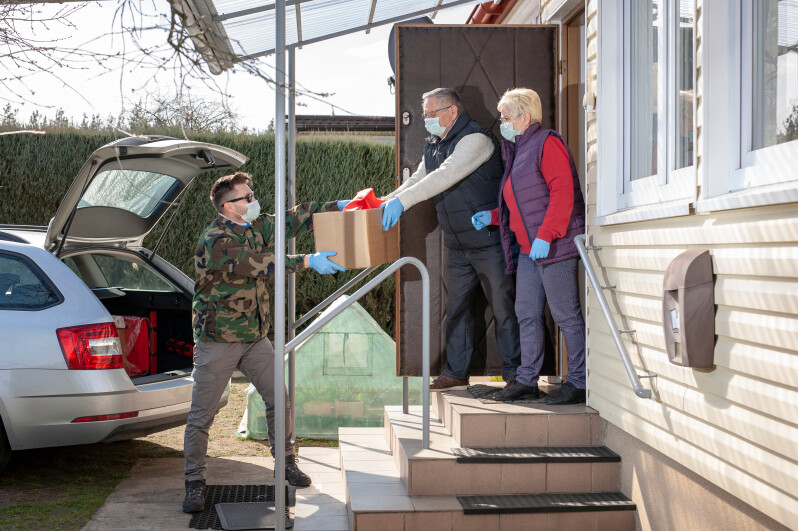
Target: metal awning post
x,y
292,241
279,271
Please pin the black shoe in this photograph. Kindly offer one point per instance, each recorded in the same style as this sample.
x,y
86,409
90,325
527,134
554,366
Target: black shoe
x,y
509,380
294,476
517,391
195,496
567,394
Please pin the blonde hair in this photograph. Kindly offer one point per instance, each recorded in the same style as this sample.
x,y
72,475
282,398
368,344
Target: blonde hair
x,y
520,100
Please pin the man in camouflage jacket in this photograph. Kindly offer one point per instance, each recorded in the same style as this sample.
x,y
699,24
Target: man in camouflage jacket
x,y
230,316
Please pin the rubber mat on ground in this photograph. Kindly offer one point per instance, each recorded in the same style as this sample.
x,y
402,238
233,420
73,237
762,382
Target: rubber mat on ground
x,y
248,515
546,503
485,394
208,518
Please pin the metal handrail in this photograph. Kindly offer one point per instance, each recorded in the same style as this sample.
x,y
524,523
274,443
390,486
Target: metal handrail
x,y
640,391
316,325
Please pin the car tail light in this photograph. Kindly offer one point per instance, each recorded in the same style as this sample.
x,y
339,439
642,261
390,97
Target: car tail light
x,y
94,346
116,416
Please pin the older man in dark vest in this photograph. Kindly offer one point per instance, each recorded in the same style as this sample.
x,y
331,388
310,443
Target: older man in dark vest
x,y
461,172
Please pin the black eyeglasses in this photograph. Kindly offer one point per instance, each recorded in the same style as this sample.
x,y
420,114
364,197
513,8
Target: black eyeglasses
x,y
249,197
433,113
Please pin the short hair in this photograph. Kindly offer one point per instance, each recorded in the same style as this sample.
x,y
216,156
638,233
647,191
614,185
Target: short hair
x,y
520,100
446,95
220,191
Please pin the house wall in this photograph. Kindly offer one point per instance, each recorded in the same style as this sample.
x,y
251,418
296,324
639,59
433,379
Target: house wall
x,y
734,426
713,449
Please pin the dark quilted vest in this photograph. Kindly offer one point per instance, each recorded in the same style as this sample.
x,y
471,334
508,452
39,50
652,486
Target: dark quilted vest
x,y
475,193
522,160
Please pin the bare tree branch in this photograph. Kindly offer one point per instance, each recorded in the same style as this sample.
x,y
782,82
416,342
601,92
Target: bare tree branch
x,y
145,46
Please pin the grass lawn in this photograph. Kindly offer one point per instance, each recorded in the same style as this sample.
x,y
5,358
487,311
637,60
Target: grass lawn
x,y
61,488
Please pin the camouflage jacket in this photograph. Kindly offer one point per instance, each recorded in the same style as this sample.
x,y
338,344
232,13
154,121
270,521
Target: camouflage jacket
x,y
232,263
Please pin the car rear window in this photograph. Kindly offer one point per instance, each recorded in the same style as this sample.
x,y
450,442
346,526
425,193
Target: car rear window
x,y
121,272
23,286
139,192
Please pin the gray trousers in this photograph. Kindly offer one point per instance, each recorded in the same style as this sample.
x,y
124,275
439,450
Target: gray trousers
x,y
556,283
465,271
214,364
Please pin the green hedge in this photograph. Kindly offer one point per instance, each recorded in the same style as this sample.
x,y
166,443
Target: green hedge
x,y
36,170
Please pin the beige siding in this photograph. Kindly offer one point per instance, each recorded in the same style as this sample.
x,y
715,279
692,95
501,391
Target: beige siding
x,y
736,425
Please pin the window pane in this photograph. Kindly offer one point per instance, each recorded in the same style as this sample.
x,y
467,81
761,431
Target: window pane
x,y
775,68
126,274
139,192
643,50
23,286
684,83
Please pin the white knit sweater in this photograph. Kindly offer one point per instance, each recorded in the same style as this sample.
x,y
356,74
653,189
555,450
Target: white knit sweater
x,y
469,154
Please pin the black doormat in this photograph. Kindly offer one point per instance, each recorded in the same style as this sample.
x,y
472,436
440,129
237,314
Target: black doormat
x,y
209,519
546,503
485,394
249,515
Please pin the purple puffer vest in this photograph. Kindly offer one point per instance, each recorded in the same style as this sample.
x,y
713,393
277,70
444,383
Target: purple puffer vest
x,y
522,159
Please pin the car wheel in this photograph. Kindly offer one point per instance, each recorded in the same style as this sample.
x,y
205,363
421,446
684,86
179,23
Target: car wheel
x,y
5,448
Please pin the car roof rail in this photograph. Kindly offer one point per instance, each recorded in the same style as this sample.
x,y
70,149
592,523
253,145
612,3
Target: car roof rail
x,y
6,236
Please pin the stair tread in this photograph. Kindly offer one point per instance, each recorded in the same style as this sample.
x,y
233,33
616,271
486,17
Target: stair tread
x,y
536,454
546,503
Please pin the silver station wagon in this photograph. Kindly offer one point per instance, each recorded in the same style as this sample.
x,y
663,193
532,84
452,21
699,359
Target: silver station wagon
x,y
95,330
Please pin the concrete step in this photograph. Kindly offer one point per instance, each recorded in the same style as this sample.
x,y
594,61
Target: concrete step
x,y
474,424
377,498
445,469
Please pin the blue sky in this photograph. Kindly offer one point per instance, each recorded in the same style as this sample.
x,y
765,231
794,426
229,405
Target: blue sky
x,y
354,68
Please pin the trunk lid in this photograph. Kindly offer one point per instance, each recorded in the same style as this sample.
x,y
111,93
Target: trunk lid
x,y
127,186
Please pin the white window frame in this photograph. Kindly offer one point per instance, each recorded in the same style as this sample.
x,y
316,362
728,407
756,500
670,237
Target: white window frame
x,y
736,176
669,192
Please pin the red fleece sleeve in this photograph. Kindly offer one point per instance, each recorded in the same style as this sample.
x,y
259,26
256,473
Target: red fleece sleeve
x,y
494,216
556,171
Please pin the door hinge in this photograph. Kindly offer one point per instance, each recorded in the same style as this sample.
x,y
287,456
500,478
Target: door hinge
x,y
563,67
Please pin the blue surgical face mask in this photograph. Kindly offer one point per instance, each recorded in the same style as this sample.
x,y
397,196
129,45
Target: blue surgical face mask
x,y
508,132
252,213
434,126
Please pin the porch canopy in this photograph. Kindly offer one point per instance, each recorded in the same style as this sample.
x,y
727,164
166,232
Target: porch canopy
x,y
226,32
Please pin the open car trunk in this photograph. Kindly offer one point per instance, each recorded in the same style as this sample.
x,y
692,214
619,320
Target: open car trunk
x,y
150,302
116,199
156,337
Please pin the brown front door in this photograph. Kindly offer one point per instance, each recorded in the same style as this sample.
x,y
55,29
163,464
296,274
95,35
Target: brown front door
x,y
480,62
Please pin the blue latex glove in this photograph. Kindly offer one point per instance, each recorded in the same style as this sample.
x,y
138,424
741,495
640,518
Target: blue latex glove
x,y
481,219
322,263
391,212
342,204
540,249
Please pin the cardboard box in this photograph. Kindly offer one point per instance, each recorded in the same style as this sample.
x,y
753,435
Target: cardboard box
x,y
357,237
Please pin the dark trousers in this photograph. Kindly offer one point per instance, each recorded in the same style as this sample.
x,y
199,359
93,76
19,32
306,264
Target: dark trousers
x,y
465,271
556,283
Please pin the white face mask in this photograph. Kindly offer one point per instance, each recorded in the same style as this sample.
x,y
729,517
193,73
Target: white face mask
x,y
508,132
433,126
252,213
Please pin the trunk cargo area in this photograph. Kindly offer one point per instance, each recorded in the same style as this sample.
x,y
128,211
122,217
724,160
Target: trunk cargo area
x,y
155,331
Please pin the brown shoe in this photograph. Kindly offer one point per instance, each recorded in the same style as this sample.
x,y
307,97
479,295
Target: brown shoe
x,y
447,383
